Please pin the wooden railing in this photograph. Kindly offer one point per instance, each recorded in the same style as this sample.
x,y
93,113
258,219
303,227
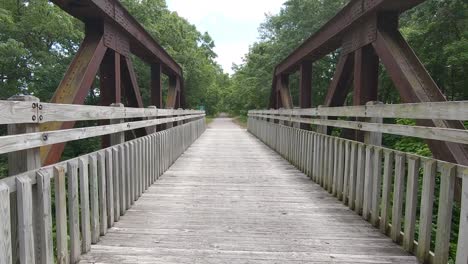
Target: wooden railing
x,y
90,192
380,184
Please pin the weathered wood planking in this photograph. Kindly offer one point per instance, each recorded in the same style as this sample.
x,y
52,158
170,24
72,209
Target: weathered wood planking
x,y
25,220
5,227
61,215
426,110
17,112
45,217
231,199
73,212
462,254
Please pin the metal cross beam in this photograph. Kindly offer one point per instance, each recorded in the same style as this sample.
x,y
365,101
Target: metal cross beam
x,y
112,35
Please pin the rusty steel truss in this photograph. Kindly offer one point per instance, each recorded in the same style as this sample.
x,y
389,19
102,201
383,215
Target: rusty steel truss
x,y
366,33
111,36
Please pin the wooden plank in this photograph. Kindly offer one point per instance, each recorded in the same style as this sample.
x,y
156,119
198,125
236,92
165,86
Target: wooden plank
x,y
45,217
434,133
33,140
444,215
389,161
426,110
5,228
427,204
376,187
84,205
94,198
462,253
398,191
353,176
128,175
25,220
122,181
110,188
369,178
70,112
346,173
116,182
360,175
411,203
330,164
102,181
17,112
73,212
132,174
61,215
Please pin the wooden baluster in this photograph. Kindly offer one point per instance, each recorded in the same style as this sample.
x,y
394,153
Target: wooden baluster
x,y
462,253
45,219
73,212
94,198
389,161
411,203
61,215
5,227
427,203
444,216
84,202
398,191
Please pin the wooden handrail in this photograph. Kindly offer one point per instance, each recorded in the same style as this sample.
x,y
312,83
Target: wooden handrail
x,y
438,110
433,133
17,112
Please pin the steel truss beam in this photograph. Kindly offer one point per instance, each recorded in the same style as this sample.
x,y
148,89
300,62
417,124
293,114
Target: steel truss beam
x,y
112,35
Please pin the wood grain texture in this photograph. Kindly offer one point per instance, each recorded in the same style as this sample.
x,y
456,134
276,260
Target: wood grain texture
x,y
94,198
398,191
73,212
411,200
45,217
5,227
231,199
427,204
84,205
25,220
462,253
61,215
444,214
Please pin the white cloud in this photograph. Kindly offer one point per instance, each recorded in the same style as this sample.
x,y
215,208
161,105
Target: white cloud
x,y
232,24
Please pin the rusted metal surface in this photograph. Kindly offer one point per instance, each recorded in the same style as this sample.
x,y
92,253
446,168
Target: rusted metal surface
x,y
367,30
416,85
342,81
112,34
330,36
140,41
74,88
156,86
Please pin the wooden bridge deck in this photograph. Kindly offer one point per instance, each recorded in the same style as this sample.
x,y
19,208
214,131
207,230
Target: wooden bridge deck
x,y
231,199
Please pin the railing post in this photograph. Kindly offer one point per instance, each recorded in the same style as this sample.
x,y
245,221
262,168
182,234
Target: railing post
x,y
117,138
373,138
153,129
22,161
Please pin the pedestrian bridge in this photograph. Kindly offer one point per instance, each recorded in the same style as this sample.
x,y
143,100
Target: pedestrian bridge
x,y
300,185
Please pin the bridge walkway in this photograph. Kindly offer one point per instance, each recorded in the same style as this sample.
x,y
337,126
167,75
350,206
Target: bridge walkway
x,y
231,199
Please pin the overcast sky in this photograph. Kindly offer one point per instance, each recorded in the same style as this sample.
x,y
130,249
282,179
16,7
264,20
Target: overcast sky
x,y
232,24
